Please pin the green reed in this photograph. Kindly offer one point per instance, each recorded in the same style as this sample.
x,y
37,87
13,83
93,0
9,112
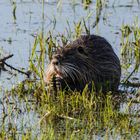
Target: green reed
x,y
131,47
14,7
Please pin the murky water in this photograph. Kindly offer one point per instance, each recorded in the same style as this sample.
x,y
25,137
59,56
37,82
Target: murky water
x,y
16,35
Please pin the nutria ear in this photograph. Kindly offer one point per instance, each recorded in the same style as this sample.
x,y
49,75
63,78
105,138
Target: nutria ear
x,y
81,50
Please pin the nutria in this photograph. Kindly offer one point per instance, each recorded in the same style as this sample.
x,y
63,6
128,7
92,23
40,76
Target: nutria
x,y
89,60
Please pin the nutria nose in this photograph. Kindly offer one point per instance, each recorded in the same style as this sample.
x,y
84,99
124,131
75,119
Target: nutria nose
x,y
55,62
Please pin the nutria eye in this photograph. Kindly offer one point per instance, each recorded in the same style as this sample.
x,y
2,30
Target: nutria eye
x,y
81,50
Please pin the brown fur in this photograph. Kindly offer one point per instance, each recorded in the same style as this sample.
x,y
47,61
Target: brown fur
x,y
89,59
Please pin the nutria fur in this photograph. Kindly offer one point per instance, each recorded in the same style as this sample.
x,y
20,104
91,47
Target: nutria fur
x,y
89,59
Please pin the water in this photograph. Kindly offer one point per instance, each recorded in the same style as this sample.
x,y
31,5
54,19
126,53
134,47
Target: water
x,y
16,35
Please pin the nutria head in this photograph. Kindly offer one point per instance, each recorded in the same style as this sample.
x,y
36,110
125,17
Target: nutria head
x,y
87,59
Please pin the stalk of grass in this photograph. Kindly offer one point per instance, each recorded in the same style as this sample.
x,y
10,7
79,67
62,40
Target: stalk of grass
x,y
43,2
14,10
131,47
98,12
59,5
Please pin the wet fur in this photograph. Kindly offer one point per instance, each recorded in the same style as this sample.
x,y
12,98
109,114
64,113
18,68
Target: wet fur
x,y
89,59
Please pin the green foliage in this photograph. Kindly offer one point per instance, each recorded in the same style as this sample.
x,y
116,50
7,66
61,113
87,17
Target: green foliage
x,y
69,116
131,47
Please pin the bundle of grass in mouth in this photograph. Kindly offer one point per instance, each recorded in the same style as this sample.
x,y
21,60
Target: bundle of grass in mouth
x,y
87,60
